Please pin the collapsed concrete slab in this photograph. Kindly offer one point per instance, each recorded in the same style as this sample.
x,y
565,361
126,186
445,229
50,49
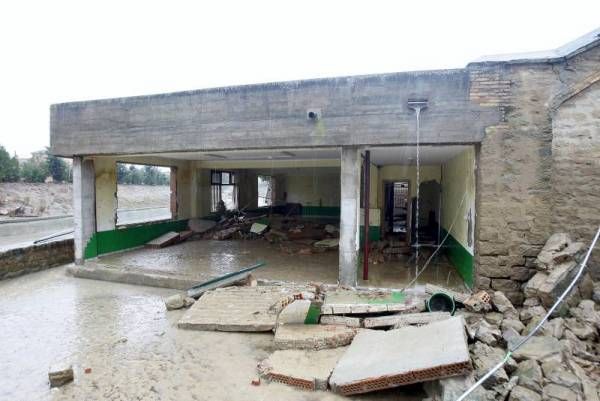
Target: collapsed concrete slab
x,y
312,336
382,359
240,308
348,302
294,313
347,321
408,319
304,369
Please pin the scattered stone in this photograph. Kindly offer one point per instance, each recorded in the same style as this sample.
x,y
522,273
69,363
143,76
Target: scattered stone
x,y
510,336
596,293
586,312
520,393
449,389
502,390
347,321
554,327
539,348
556,373
60,374
487,333
382,359
503,305
484,359
531,302
312,336
555,392
188,301
534,311
308,370
514,324
494,318
530,375
582,330
255,382
176,301
556,282
588,386
533,285
555,244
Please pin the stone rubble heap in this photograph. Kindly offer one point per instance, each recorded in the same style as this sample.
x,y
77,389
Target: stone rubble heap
x,y
561,362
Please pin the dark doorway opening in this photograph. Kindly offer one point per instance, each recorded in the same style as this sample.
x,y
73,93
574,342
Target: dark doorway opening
x,y
397,210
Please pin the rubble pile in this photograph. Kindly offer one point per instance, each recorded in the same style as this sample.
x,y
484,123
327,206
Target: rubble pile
x,y
371,339
562,361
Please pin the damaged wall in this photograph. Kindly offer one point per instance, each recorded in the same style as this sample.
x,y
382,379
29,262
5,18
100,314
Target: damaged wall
x,y
517,191
576,167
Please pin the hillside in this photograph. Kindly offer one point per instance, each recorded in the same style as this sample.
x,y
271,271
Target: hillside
x,y
49,199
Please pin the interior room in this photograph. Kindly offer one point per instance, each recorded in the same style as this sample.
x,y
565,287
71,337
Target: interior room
x,y
295,193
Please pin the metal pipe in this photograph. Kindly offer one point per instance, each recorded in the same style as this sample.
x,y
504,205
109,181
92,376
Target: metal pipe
x,y
366,193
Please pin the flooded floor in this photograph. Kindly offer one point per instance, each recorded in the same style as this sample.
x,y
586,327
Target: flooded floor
x,y
205,259
132,345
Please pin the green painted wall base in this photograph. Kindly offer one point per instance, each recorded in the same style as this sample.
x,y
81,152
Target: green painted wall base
x,y
374,234
129,237
321,211
460,258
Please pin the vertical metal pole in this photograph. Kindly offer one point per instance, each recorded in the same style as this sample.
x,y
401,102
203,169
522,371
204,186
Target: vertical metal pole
x,y
366,192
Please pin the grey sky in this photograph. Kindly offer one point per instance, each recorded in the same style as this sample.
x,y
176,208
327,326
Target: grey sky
x,y
59,51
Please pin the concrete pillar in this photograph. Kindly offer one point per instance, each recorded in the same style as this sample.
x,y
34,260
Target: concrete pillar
x,y
84,200
105,171
350,209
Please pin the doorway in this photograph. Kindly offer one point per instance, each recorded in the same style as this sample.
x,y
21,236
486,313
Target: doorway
x,y
397,210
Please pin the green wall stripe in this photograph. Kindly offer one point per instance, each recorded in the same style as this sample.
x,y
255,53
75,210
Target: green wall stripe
x,y
325,211
460,258
129,237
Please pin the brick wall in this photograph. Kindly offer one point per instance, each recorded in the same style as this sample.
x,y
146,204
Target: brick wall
x,y
15,262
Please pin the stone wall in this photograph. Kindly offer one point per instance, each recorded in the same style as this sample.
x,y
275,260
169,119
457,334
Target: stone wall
x,y
576,167
15,262
519,189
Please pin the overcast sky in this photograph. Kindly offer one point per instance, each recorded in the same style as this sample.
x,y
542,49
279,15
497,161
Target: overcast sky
x,y
59,51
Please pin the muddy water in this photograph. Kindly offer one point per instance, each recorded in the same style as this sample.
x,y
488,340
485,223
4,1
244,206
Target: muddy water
x,y
131,343
203,260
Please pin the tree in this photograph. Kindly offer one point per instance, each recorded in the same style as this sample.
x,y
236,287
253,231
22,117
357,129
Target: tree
x,y
9,167
57,167
34,171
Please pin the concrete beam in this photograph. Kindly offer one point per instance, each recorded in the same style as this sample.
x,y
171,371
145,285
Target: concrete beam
x,y
84,205
349,214
354,111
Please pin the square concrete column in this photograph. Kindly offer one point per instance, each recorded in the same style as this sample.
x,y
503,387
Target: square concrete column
x,y
350,211
84,205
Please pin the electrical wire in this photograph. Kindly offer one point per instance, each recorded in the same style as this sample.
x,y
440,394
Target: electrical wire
x,y
512,349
